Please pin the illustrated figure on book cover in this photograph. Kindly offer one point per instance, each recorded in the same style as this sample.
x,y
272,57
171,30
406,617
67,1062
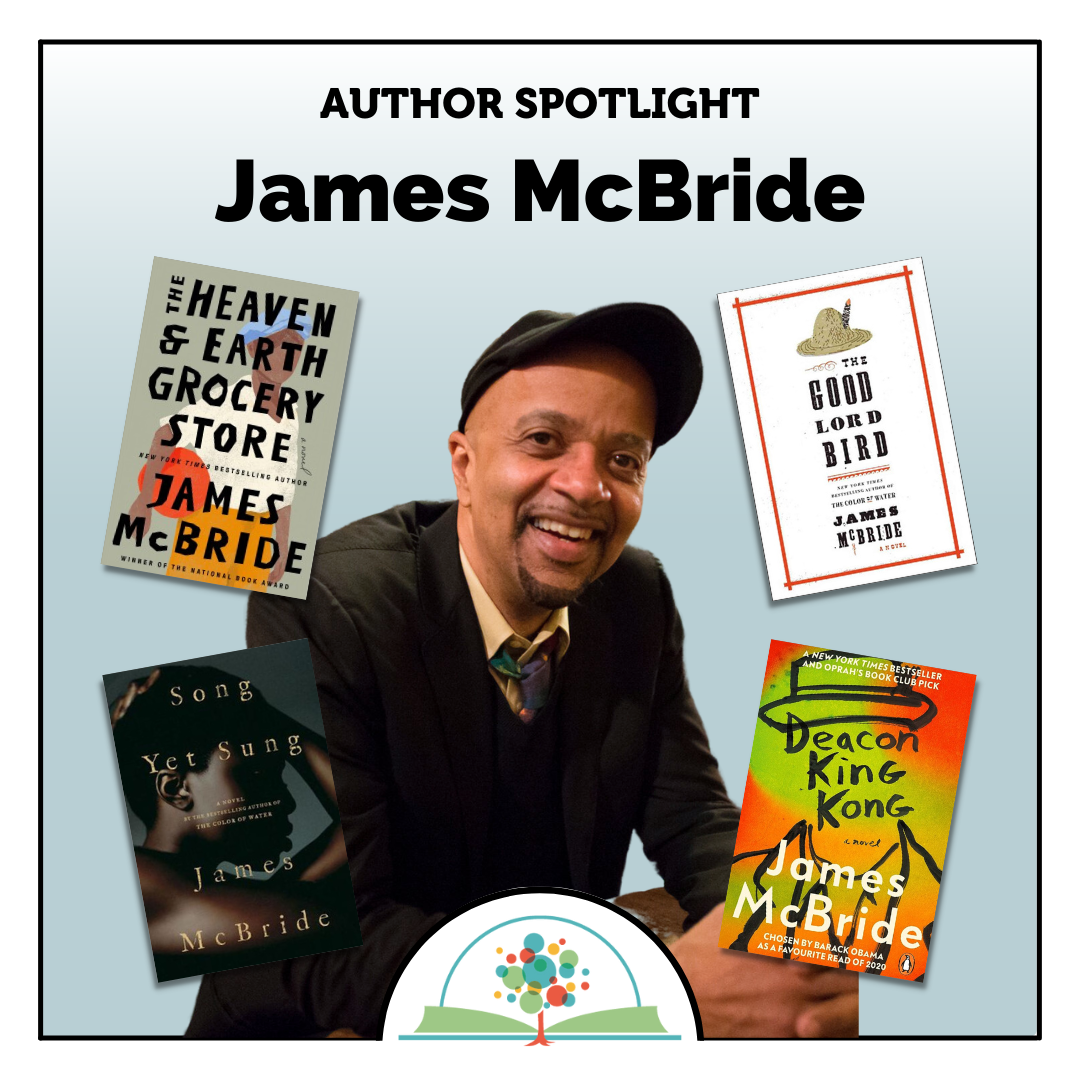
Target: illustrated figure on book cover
x,y
229,428
846,814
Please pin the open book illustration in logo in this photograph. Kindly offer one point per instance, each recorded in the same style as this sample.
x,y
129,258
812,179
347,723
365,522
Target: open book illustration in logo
x,y
542,978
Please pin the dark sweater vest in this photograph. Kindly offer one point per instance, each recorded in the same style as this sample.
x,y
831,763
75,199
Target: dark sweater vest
x,y
526,843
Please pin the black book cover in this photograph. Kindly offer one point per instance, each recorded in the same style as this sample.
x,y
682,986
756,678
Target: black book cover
x,y
234,822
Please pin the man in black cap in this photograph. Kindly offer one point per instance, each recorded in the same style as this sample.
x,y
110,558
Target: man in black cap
x,y
475,745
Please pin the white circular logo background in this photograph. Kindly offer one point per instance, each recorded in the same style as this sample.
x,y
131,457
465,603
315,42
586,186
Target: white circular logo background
x,y
539,968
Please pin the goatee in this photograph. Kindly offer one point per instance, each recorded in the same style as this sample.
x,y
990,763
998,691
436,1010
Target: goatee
x,y
548,596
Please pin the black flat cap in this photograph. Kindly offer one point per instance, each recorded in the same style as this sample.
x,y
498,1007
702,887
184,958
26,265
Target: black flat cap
x,y
652,335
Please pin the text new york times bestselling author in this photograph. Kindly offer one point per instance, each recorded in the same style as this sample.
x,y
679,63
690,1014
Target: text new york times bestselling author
x,y
503,689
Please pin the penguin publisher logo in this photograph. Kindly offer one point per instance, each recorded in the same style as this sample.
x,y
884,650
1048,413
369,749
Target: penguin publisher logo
x,y
907,962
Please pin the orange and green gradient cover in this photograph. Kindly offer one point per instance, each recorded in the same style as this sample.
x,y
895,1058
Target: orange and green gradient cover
x,y
847,809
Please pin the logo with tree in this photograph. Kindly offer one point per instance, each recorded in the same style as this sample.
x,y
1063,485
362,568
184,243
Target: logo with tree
x,y
532,977
528,971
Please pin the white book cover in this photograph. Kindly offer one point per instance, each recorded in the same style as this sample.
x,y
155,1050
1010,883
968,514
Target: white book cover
x,y
846,428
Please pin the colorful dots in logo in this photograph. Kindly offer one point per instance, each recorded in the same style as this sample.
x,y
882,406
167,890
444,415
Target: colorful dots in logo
x,y
537,975
538,970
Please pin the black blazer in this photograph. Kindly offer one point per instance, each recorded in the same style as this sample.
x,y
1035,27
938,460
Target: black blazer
x,y
408,707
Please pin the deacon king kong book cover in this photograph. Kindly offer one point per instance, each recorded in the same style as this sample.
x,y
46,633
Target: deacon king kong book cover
x,y
229,428
233,815
847,810
846,429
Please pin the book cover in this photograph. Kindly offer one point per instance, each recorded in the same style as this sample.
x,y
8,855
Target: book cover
x,y
229,428
846,814
846,428
234,821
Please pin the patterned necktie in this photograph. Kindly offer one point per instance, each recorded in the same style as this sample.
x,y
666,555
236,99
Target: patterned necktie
x,y
533,677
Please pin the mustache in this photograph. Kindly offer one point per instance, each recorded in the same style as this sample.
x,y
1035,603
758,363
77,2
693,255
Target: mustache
x,y
574,516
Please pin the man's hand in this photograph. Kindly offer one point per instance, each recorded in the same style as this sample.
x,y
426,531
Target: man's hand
x,y
836,1017
744,996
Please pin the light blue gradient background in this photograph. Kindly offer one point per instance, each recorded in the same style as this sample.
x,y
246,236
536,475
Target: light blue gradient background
x,y
140,144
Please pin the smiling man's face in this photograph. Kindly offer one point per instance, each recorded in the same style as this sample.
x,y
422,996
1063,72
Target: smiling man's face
x,y
550,474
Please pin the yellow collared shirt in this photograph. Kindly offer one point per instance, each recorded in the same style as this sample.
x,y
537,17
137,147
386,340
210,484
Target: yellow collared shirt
x,y
497,632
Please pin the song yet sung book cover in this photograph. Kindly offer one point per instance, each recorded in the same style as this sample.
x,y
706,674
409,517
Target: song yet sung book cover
x,y
233,814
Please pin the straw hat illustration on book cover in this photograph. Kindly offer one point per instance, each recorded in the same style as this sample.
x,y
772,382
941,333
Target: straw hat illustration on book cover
x,y
833,333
